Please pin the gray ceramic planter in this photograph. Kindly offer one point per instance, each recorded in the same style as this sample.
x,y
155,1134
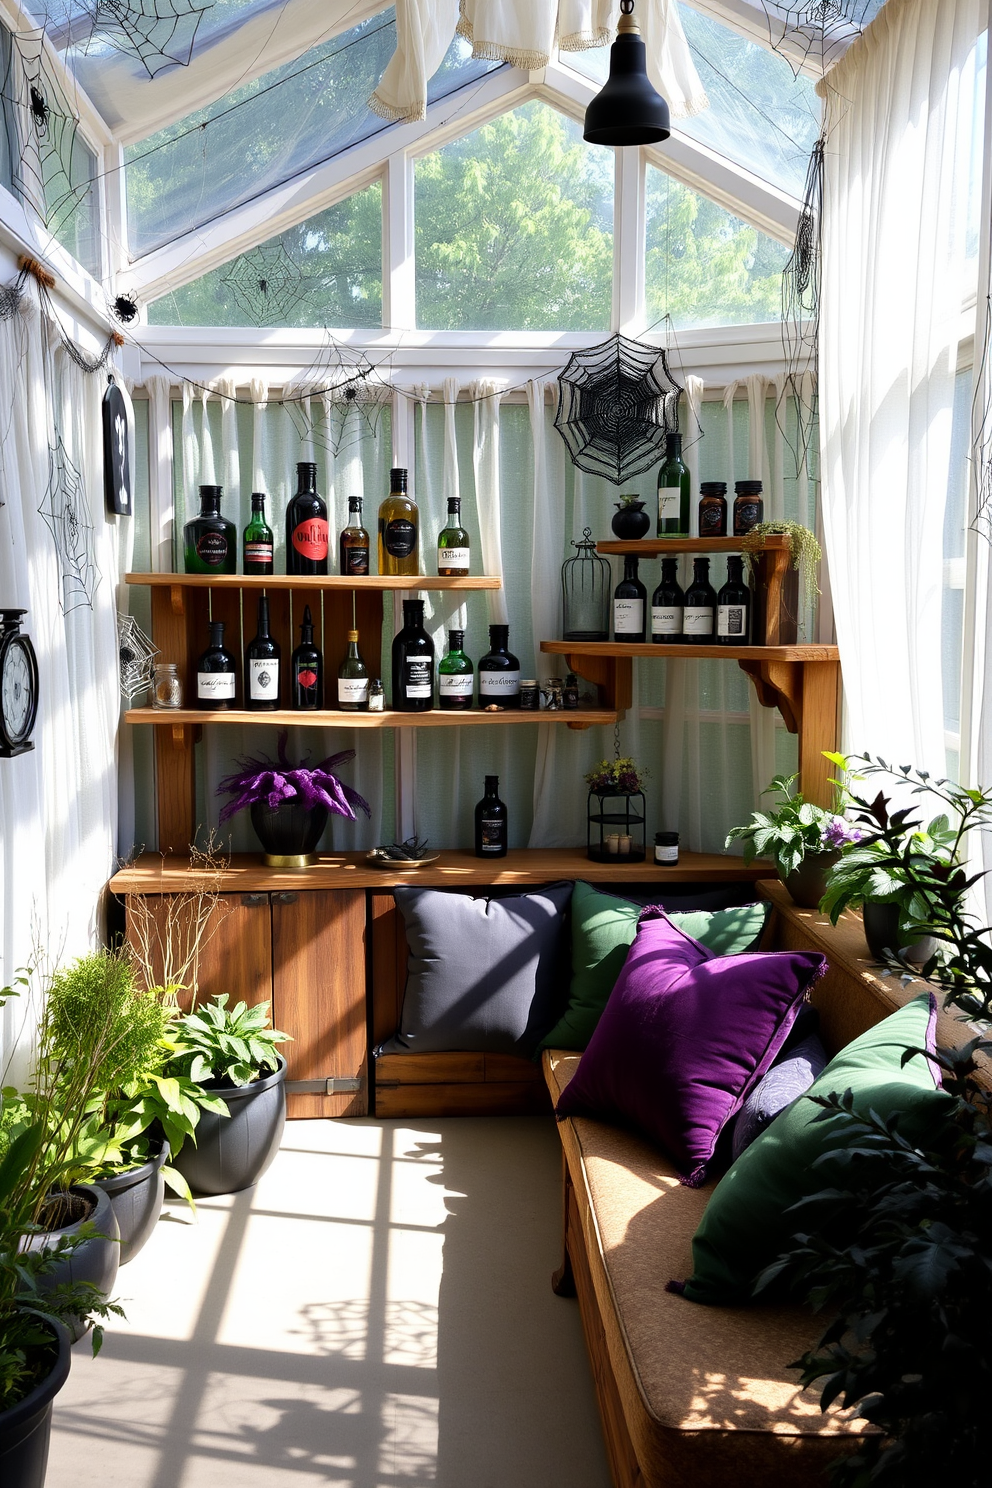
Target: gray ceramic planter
x,y
96,1260
25,1429
136,1196
232,1152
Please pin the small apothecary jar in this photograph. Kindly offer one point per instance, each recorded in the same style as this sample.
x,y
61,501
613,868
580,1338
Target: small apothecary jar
x,y
586,592
615,827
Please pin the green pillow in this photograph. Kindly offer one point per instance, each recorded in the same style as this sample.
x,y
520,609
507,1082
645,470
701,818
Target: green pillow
x,y
603,930
746,1225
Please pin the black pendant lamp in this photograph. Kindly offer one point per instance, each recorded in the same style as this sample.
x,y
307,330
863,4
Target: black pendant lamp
x,y
628,110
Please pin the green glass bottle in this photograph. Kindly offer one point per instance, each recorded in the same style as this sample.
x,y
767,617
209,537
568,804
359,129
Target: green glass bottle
x,y
455,675
353,679
256,542
673,492
210,541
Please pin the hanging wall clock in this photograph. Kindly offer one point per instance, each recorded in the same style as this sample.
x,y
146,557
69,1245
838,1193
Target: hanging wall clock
x,y
18,686
116,457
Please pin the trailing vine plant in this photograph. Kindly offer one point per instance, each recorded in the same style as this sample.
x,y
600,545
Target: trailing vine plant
x,y
804,549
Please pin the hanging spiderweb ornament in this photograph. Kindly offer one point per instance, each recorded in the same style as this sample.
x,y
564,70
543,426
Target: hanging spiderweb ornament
x,y
65,514
339,399
982,424
618,403
816,31
159,33
801,280
136,655
46,170
268,285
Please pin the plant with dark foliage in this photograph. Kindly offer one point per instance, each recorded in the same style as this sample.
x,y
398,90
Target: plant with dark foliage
x,y
901,1255
275,782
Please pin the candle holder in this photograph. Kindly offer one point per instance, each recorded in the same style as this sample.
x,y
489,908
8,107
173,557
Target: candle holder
x,y
615,826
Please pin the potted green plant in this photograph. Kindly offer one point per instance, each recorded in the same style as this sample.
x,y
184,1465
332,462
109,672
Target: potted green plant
x,y
232,1054
898,1252
802,839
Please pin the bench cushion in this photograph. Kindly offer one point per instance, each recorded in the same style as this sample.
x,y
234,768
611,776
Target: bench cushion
x,y
701,1387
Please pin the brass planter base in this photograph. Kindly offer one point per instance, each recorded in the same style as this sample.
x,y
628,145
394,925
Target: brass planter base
x,y
290,860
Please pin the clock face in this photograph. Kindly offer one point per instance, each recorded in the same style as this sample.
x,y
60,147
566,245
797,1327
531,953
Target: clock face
x,y
17,691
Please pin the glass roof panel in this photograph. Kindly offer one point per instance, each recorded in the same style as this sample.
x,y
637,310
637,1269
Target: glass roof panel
x,y
266,132
761,116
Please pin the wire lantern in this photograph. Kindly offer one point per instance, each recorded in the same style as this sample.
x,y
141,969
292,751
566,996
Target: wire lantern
x,y
618,403
586,588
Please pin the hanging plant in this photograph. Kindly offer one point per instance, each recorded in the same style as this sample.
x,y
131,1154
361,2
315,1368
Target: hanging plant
x,y
619,776
805,550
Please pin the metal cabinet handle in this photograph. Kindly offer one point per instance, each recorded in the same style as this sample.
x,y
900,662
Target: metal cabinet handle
x,y
286,898
253,901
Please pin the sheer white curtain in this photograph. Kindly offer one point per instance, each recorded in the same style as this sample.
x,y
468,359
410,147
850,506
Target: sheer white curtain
x,y
58,803
900,121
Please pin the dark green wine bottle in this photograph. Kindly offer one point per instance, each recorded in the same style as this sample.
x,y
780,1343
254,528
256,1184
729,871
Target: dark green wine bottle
x,y
673,492
257,540
455,675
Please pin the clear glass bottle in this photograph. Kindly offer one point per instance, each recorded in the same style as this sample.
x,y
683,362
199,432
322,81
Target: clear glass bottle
x,y
262,657
210,541
413,662
667,602
491,836
167,690
306,670
455,676
377,697
733,607
629,604
256,542
306,525
673,492
713,509
749,508
354,543
453,548
216,672
499,672
699,611
353,679
399,523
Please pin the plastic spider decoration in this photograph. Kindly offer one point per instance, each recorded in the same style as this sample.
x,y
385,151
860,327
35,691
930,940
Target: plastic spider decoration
x,y
40,112
124,308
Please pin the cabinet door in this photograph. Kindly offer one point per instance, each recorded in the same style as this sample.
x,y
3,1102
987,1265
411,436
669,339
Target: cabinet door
x,y
318,983
235,955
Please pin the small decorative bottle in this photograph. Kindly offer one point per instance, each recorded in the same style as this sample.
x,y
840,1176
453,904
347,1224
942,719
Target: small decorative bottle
x,y
491,822
210,541
629,603
216,672
306,670
257,543
377,697
453,552
733,607
499,672
699,612
306,525
713,509
167,690
667,602
748,506
399,522
353,543
353,679
455,676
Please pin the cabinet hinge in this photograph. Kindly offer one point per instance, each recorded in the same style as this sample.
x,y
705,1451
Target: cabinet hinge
x,y
333,1085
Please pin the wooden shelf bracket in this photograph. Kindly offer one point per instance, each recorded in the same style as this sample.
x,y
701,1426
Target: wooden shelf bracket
x,y
807,694
613,676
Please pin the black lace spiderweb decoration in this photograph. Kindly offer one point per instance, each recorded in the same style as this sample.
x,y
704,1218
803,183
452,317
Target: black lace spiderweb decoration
x,y
801,283
158,33
618,403
816,31
268,285
65,514
339,399
46,169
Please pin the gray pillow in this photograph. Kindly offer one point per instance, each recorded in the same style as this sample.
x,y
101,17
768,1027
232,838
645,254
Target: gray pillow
x,y
484,974
783,1084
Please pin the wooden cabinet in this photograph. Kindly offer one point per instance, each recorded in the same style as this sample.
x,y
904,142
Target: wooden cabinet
x,y
305,954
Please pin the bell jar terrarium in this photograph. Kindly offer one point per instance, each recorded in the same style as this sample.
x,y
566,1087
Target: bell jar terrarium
x,y
586,585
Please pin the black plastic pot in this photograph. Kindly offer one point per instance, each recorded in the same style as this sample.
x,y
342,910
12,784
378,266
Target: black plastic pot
x,y
631,522
232,1152
95,1260
136,1197
287,832
25,1429
808,883
881,922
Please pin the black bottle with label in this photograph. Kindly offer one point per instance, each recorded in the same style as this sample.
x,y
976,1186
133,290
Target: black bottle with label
x,y
491,823
216,672
210,541
306,670
630,599
262,657
499,672
413,662
353,544
306,525
699,611
733,607
667,602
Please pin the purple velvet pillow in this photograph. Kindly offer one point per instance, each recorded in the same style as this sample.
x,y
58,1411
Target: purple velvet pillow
x,y
684,1037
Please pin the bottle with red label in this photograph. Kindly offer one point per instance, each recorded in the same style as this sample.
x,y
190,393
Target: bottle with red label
x,y
307,670
257,539
306,525
210,541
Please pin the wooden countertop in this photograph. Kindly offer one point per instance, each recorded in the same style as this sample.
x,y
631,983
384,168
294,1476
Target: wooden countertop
x,y
153,873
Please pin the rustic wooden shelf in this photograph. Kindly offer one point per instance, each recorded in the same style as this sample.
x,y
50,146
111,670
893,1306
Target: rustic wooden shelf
x,y
662,547
692,653
377,583
246,872
179,718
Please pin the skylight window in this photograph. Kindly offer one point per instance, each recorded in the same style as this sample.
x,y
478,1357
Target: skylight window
x,y
258,136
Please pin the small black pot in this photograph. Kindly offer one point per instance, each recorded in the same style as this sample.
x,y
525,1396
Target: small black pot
x,y
808,883
25,1428
631,522
881,922
136,1196
288,833
232,1152
95,1260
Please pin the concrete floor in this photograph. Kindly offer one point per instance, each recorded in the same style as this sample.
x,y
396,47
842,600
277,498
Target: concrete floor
x,y
376,1313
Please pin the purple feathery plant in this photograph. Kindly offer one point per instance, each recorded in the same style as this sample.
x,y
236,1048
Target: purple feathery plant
x,y
276,781
839,833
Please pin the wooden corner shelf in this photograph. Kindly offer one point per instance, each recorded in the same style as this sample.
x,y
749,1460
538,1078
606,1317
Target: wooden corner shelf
x,y
663,547
180,718
376,583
